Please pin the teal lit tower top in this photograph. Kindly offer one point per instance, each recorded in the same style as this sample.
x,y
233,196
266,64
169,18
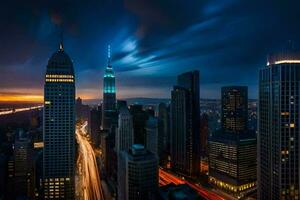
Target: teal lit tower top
x,y
109,77
109,94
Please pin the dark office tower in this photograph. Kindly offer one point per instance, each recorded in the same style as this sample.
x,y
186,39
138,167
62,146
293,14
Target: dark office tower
x,y
59,127
78,108
139,117
124,137
234,109
109,95
121,103
82,111
139,174
163,134
23,158
204,135
152,135
278,127
95,125
185,117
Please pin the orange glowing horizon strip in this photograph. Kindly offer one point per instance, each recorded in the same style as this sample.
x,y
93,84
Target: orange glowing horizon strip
x,y
32,98
21,98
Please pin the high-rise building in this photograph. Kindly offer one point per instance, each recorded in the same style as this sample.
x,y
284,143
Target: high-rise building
x,y
152,135
234,108
204,135
164,131
95,125
185,117
232,149
139,117
109,95
139,174
121,103
124,137
59,127
82,111
23,160
278,127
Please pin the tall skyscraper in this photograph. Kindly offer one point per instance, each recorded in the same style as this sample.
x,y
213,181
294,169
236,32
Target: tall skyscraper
x,y
234,109
232,149
95,125
152,135
185,117
59,127
23,157
109,95
124,137
139,117
278,127
139,174
164,130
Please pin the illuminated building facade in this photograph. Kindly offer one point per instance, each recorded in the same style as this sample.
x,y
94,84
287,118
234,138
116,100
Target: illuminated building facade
x,y
232,149
185,129
139,174
59,127
234,108
109,95
232,163
278,135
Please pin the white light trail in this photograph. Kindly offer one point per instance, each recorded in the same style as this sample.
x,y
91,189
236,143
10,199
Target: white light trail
x,y
6,112
87,164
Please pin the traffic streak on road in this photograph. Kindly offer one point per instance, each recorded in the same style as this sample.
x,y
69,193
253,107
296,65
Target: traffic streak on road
x,y
167,178
12,111
89,178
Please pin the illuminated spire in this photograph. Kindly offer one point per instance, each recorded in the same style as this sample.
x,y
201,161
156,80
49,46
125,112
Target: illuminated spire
x,y
108,55
61,44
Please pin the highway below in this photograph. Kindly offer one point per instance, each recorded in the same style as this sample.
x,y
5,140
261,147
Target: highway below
x,y
12,111
167,177
88,185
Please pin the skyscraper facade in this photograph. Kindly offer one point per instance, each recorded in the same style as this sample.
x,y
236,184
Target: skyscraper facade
x,y
139,174
23,157
232,149
59,127
94,125
185,129
152,135
124,137
139,117
234,108
163,132
109,95
278,127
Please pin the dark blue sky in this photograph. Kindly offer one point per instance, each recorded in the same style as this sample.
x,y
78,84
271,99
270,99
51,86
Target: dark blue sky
x,y
152,41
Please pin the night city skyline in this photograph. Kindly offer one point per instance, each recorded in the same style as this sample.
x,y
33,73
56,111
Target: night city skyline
x,y
150,100
151,40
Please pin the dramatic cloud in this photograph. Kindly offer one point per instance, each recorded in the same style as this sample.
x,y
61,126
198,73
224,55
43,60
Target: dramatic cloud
x,y
152,41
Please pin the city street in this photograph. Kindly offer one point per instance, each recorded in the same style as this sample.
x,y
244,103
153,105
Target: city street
x,y
89,185
167,177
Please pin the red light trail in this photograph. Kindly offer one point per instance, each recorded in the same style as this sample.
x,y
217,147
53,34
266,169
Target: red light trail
x,y
166,178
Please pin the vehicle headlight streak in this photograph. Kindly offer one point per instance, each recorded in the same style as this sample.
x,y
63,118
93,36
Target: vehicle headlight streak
x,y
87,164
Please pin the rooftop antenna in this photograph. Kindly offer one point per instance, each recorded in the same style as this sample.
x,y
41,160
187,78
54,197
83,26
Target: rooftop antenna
x,y
108,55
61,44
